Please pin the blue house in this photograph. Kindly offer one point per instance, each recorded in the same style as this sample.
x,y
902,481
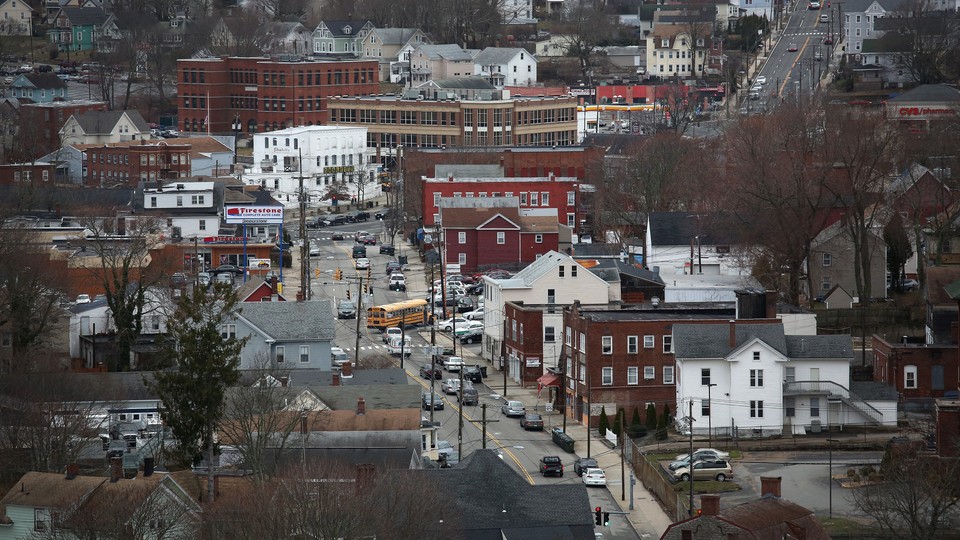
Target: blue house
x,y
39,88
293,335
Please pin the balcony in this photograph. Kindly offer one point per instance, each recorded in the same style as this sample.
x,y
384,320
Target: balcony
x,y
834,392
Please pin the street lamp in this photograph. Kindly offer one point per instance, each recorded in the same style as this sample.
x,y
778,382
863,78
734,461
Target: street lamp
x,y
830,472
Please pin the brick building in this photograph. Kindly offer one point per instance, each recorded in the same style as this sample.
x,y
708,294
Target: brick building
x,y
948,428
919,372
263,94
129,163
624,358
556,192
38,171
44,120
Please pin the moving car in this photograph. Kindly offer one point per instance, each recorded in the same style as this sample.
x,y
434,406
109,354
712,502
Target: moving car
x,y
468,395
314,251
346,309
369,240
551,465
338,357
792,48
452,363
450,386
425,372
824,18
338,236
594,477
532,422
363,263
447,325
390,333
394,267
398,282
359,251
400,345
428,400
387,250
584,463
513,408
718,470
814,5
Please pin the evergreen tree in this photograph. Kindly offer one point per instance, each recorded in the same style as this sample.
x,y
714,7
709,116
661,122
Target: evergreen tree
x,y
666,414
202,363
651,417
604,423
636,422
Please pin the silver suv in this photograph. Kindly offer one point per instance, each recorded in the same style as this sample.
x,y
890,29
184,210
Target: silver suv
x,y
719,470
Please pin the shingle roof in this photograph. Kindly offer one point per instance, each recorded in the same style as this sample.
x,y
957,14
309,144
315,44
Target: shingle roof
x,y
499,55
85,16
337,27
712,340
448,51
772,517
829,346
538,268
891,42
395,36
471,218
930,92
375,396
291,321
97,122
860,6
113,386
678,228
51,490
482,485
45,80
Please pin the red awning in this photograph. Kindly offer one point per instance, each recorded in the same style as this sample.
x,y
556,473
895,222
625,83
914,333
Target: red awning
x,y
550,379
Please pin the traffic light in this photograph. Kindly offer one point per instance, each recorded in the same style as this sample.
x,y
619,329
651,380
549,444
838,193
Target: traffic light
x,y
606,519
338,274
348,293
316,272
599,515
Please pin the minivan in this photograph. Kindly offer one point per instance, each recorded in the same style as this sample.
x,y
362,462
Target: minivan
x,y
359,251
338,357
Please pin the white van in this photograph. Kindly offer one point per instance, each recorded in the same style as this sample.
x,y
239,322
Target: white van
x,y
338,357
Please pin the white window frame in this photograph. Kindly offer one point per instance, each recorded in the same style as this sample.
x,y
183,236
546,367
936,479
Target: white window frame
x,y
668,375
280,353
649,373
633,375
910,376
606,345
462,258
568,337
756,408
606,376
756,378
462,237
827,258
549,334
583,342
633,344
649,342
501,237
228,331
304,354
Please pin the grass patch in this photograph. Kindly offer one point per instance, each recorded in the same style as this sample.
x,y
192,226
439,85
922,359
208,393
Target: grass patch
x,y
840,526
707,486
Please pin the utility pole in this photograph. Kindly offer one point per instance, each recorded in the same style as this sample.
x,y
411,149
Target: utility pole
x,y
690,461
403,338
623,468
563,389
460,420
356,349
483,426
589,410
304,240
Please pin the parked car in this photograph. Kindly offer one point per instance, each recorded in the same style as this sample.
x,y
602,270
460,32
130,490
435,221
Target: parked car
x,y
229,268
594,477
718,470
551,465
470,336
532,422
792,48
223,279
450,386
393,267
83,299
761,80
475,315
338,219
584,463
513,408
447,453
425,372
469,326
363,263
369,240
447,325
683,460
428,400
720,453
452,363
178,279
204,279
473,374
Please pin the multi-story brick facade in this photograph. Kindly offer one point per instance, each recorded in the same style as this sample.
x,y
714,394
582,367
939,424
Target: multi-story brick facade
x,y
263,94
127,164
41,122
624,358
918,372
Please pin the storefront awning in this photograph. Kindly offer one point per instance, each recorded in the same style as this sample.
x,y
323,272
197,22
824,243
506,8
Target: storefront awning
x,y
550,379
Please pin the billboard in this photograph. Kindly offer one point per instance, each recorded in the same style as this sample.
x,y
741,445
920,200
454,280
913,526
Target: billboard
x,y
252,215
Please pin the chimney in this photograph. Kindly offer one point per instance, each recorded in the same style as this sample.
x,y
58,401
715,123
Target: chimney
x,y
73,470
709,505
450,177
116,469
361,407
733,334
771,305
770,486
346,372
335,380
148,467
365,472
285,381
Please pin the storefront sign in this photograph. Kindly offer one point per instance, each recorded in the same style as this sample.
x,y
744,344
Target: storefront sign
x,y
223,240
925,112
254,214
533,361
335,170
258,264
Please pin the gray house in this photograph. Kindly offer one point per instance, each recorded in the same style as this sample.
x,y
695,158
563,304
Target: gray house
x,y
831,263
859,18
296,335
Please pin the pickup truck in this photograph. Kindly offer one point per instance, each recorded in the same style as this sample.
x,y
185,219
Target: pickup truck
x,y
452,363
551,465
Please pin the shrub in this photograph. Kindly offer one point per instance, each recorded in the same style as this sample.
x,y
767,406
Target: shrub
x,y
651,417
867,470
851,472
855,477
604,423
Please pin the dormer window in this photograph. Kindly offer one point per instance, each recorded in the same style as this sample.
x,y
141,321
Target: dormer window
x,y
665,42
347,30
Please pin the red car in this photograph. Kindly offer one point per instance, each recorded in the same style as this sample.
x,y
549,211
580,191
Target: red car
x,y
792,47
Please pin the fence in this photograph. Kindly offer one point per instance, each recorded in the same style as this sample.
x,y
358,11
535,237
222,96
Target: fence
x,y
652,478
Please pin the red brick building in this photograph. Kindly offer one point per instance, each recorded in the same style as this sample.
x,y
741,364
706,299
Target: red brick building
x,y
918,372
263,94
129,162
624,358
948,427
37,172
478,238
43,121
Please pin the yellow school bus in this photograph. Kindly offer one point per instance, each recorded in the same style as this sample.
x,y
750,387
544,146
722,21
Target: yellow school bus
x,y
408,312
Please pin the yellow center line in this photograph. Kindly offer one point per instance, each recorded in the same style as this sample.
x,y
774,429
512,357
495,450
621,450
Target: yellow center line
x,y
786,78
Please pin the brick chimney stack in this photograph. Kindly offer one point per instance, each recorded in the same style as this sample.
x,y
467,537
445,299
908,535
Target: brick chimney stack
x,y
710,505
73,470
335,380
116,469
346,371
361,407
733,334
770,485
284,381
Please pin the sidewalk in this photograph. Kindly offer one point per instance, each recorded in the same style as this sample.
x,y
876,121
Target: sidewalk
x,y
647,517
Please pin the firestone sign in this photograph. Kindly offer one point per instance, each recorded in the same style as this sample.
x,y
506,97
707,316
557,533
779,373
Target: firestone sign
x,y
253,215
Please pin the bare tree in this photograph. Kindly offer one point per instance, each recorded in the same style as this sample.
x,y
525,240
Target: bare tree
x,y
933,49
239,35
914,495
587,25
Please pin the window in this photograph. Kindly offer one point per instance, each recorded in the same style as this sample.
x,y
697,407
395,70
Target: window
x,y
705,407
633,375
705,377
179,200
462,237
571,198
40,519
607,376
281,352
756,378
649,342
910,377
814,407
501,237
573,270
568,336
827,258
756,409
790,374
304,353
560,270
790,406
538,239
825,283
606,345
229,331
667,374
153,202
545,198
551,296
756,356
649,373
632,342
583,342
667,344
462,258
549,334
436,199
533,198
202,224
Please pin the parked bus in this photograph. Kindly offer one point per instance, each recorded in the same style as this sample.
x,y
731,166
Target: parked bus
x,y
409,313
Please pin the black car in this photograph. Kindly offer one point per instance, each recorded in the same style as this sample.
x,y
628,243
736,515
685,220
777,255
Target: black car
x,y
582,464
338,219
425,372
229,269
337,236
383,214
393,266
431,399
473,374
387,250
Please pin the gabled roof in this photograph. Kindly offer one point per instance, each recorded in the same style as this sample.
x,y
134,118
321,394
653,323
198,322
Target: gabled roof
x,y
535,270
80,387
338,28
772,517
930,92
472,218
679,228
826,346
395,36
291,321
253,285
102,122
88,16
861,6
891,42
713,340
446,51
499,55
49,490
482,485
45,80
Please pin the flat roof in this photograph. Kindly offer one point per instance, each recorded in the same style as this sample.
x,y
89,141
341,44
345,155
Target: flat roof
x,y
376,98
504,179
659,314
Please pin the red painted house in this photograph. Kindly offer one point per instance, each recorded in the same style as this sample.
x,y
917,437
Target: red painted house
x,y
487,237
918,372
557,192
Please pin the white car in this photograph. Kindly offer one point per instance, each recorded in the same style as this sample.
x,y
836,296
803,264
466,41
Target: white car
x,y
452,363
761,80
363,263
475,315
450,386
314,251
720,453
470,327
83,298
594,477
401,345
447,325
390,333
